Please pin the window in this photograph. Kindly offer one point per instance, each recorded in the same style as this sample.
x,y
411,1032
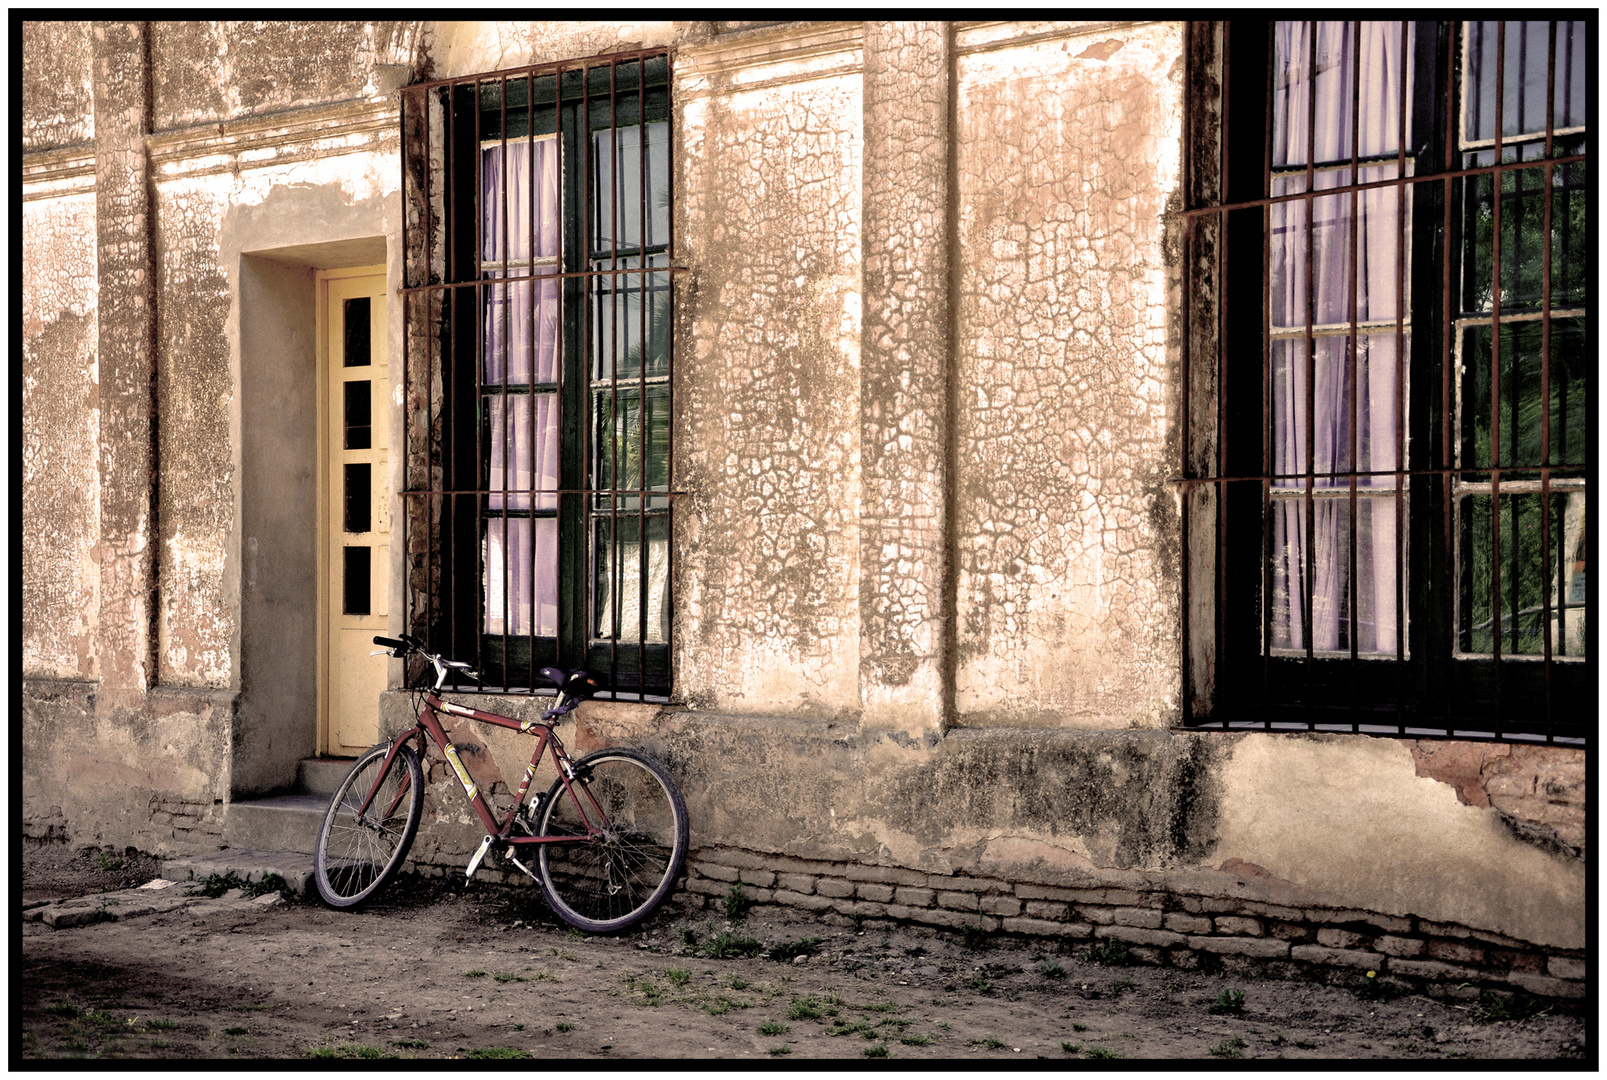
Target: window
x,y
538,379
1391,380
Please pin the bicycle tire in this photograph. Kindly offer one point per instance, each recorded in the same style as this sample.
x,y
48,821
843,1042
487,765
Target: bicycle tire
x,y
614,882
354,860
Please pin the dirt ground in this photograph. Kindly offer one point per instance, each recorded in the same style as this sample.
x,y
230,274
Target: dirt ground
x,y
426,972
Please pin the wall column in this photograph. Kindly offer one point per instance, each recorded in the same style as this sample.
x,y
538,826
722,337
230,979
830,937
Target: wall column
x,y
905,607
127,362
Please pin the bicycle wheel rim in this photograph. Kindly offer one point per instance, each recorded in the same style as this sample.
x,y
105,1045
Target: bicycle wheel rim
x,y
355,858
615,881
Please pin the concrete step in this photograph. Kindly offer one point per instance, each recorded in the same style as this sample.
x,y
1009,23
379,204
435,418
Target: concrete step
x,y
322,775
248,865
276,823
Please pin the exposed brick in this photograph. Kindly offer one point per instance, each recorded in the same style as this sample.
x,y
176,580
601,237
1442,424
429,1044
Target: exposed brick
x,y
1403,947
1187,924
1455,951
800,900
1040,927
1435,971
1137,935
716,871
1048,909
1451,930
1512,960
1143,954
1102,916
1184,959
706,887
1241,946
1001,905
834,887
1491,938
1335,938
883,875
761,878
879,894
1289,931
740,860
799,883
1240,927
1128,898
759,896
1544,987
1388,923
1145,917
1565,967
955,919
1357,958
1271,911
957,901
962,884
914,897
863,908
899,911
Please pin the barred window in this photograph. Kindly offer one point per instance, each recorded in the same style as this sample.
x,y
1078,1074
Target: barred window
x,y
1388,449
538,380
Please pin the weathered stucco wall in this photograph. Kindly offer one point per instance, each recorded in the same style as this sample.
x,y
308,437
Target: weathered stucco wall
x,y
60,425
57,95
469,48
767,599
1068,157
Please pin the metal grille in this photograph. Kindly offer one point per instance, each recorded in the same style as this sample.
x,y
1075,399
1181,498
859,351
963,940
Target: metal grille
x,y
1391,379
538,370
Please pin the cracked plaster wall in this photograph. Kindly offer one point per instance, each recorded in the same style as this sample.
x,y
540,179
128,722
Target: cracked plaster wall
x,y
57,95
767,599
1068,157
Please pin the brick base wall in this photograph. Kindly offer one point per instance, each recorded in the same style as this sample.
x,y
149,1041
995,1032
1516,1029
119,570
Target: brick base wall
x,y
1185,931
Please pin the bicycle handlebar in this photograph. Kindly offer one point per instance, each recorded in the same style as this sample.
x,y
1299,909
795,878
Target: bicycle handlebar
x,y
576,685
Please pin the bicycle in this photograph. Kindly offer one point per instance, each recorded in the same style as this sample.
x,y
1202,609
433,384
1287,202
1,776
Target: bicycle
x,y
609,836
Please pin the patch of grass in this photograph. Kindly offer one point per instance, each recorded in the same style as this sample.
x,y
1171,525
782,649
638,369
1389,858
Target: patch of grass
x,y
563,1027
1278,1037
107,861
1228,1003
1104,1053
411,1044
215,885
1123,984
1051,970
1079,1027
722,1005
498,1053
100,1018
980,985
1071,1047
1495,1008
990,1042
779,1051
508,977
348,1050
475,974
158,1044
942,1025
573,934
724,946
773,1027
236,1030
688,937
737,902
563,954
1110,952
1228,1048
737,982
678,977
62,1008
877,1051
160,1025
789,950
1305,1044
919,1039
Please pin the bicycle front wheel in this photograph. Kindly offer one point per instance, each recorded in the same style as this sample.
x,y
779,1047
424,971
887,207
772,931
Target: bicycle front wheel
x,y
618,877
357,854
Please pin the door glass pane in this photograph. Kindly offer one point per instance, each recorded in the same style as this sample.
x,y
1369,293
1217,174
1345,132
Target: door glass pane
x,y
359,415
358,333
359,501
355,589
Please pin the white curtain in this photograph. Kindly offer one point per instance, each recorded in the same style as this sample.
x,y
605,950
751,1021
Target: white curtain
x,y
1315,239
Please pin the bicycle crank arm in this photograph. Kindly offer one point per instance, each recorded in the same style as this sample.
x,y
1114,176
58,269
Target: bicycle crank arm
x,y
474,863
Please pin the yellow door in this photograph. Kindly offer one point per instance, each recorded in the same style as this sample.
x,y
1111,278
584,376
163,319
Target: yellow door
x,y
354,497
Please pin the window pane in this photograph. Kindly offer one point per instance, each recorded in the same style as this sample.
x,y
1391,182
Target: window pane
x,y
519,201
521,344
622,564
1518,404
1326,585
1523,237
523,437
630,318
1523,91
620,443
1376,409
631,194
358,414
1511,573
1375,127
521,576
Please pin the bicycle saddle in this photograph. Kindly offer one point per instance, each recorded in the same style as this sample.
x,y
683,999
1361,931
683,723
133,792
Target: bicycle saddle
x,y
575,684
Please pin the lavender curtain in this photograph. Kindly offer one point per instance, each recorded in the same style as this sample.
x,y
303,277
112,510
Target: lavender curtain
x,y
1345,380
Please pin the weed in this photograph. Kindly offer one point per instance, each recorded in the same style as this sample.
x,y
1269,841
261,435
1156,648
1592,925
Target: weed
x,y
107,861
737,902
880,1006
858,1027
1051,970
215,885
158,1044
508,977
411,1044
346,1050
1111,953
573,934
858,920
976,938
990,1042
563,1027
498,1053
475,974
1104,1053
779,1051
1228,1048
1123,984
919,1039
789,950
805,1008
563,954
1494,1008
160,1025
877,1051
773,1027
679,977
74,1044
1304,1045
1228,1002
1079,1027
942,1025
517,1027
736,982
100,1018
1278,1037
62,1008
1375,989
723,946
236,1031
980,985
1071,1047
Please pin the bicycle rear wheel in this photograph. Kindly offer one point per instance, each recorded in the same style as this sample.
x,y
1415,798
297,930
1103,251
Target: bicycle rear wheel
x,y
616,879
356,856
